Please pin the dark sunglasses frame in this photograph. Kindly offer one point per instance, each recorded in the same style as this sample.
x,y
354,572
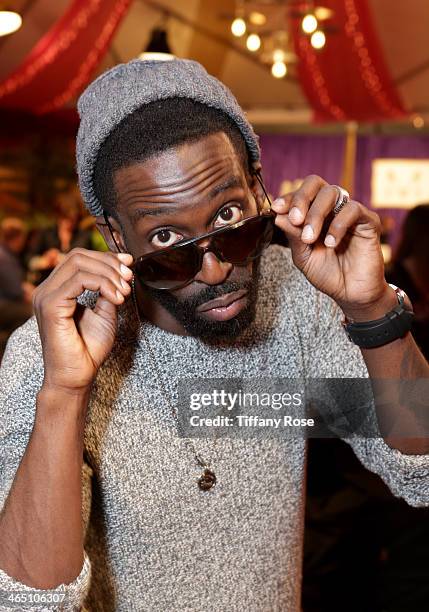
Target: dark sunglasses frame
x,y
200,251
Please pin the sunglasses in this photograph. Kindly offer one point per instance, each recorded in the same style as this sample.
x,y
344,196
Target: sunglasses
x,y
176,266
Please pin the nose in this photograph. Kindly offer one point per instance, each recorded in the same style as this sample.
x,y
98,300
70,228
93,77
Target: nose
x,y
213,271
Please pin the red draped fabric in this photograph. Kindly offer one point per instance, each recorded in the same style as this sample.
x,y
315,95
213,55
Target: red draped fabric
x,y
63,61
348,79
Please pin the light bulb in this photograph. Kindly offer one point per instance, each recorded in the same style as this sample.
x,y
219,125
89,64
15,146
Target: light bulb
x,y
322,13
279,70
278,55
418,122
257,18
156,56
9,22
309,23
238,27
318,39
253,42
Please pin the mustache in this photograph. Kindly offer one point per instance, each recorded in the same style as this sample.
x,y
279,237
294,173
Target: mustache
x,y
211,293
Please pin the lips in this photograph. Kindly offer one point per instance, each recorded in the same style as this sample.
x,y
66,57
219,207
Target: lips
x,y
222,302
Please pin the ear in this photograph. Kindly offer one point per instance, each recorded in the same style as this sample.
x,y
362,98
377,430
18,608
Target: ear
x,y
105,231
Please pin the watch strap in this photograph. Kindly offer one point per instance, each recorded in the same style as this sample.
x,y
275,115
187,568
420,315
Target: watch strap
x,y
393,325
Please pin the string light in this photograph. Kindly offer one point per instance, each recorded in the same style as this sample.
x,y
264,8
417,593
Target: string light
x,y
318,39
309,23
93,58
78,23
367,69
386,102
238,27
318,80
279,70
9,22
253,42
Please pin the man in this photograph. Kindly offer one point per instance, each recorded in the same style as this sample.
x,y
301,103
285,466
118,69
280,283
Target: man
x,y
15,292
410,267
166,155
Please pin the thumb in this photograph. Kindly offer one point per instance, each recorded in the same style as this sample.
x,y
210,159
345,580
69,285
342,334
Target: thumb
x,y
99,322
98,328
105,309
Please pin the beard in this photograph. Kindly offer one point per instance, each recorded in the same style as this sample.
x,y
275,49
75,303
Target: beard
x,y
185,310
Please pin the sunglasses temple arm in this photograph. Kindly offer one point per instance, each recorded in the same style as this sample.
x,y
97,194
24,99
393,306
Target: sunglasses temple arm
x,y
111,230
260,181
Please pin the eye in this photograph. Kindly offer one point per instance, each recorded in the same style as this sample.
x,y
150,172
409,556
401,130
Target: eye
x,y
165,238
229,215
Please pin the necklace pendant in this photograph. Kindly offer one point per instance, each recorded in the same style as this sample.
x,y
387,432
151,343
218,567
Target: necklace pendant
x,y
207,480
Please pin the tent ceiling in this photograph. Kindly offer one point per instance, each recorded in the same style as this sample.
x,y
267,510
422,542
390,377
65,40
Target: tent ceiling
x,y
199,29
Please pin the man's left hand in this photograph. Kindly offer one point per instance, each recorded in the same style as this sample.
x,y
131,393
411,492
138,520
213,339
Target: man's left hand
x,y
339,254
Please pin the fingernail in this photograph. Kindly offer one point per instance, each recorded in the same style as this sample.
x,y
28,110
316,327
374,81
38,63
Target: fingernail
x,y
330,240
295,215
125,271
119,295
124,256
279,202
307,233
124,283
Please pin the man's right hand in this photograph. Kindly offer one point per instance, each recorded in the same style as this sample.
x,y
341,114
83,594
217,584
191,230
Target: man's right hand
x,y
76,340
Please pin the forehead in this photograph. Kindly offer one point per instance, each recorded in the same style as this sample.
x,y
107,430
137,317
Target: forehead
x,y
181,166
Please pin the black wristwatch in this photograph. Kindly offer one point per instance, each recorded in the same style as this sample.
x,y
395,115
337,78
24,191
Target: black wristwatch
x,y
395,324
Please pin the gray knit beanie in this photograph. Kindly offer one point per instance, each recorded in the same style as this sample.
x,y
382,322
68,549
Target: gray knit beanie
x,y
123,89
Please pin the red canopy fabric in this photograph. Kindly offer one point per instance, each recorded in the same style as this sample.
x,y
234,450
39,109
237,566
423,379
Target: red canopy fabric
x,y
348,79
62,62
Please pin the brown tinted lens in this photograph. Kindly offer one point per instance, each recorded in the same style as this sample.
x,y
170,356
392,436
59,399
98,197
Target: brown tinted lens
x,y
246,242
170,270
176,267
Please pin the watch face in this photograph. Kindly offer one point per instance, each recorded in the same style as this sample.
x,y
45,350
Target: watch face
x,y
400,294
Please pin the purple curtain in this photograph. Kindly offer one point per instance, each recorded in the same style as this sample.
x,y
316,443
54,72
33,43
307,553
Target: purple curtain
x,y
292,156
288,157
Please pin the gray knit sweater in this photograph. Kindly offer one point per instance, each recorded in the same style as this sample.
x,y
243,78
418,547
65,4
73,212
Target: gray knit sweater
x,y
154,541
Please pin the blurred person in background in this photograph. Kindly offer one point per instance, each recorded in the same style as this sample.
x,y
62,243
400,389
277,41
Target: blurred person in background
x,y
51,244
15,292
387,227
409,270
359,538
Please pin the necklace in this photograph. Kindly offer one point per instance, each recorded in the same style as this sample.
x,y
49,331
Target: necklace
x,y
208,478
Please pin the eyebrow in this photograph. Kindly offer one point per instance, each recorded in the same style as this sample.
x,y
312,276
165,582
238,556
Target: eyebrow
x,y
153,212
139,213
233,181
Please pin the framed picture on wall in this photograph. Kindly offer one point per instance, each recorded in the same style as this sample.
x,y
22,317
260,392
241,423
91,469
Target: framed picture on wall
x,y
399,183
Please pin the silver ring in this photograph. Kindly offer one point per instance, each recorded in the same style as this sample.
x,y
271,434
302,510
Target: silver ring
x,y
342,199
